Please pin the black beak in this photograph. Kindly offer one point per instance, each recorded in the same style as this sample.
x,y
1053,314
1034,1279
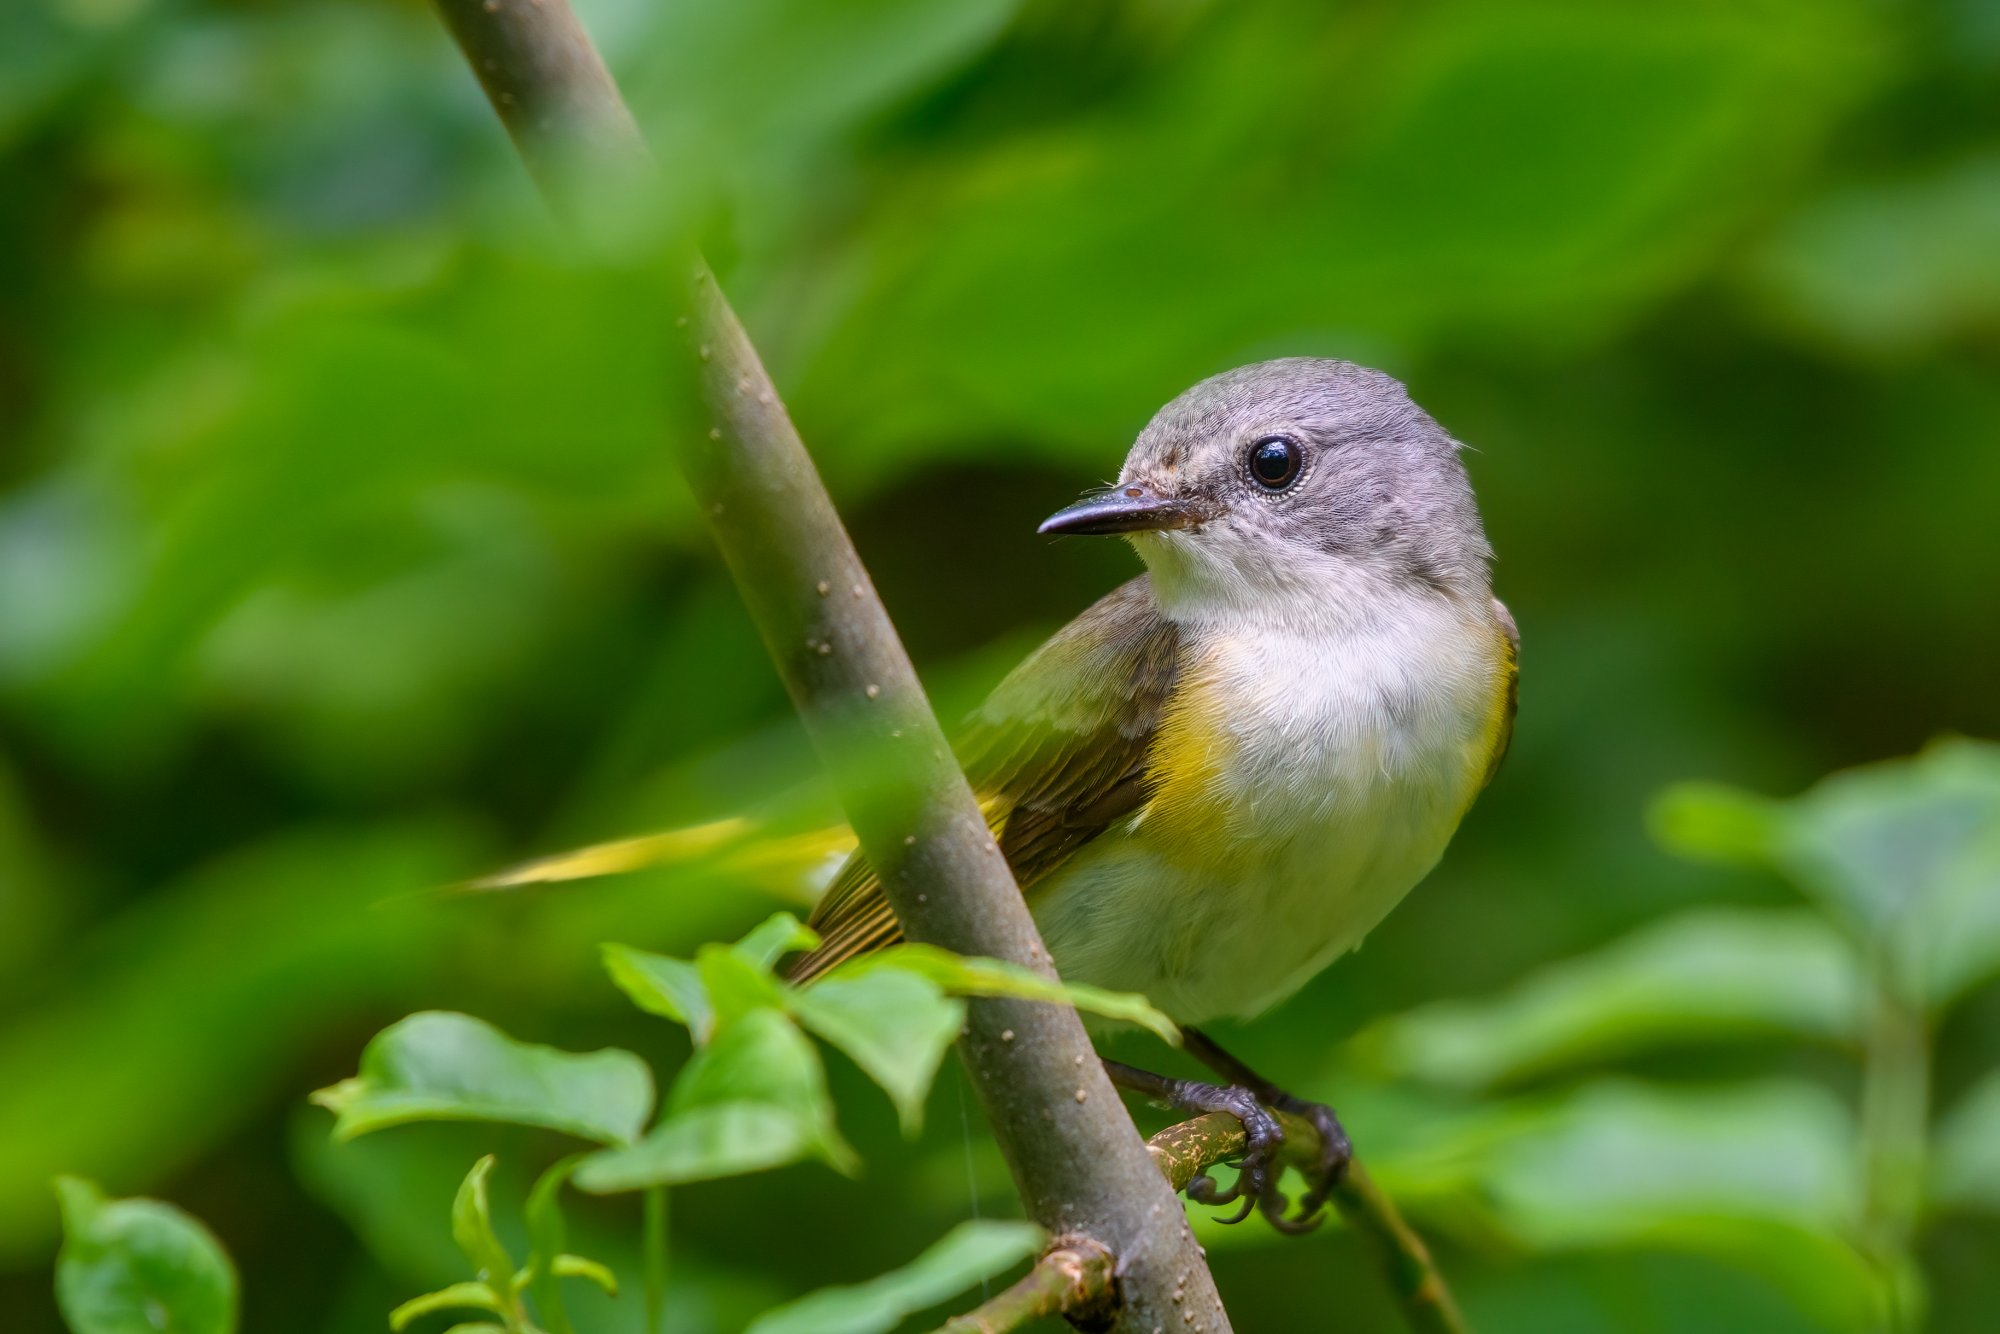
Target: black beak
x,y
1132,508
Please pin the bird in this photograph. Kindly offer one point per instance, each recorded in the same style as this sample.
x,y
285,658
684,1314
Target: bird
x,y
1225,773
1221,776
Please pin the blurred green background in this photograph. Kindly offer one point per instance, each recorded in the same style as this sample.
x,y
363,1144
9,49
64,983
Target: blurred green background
x,y
341,556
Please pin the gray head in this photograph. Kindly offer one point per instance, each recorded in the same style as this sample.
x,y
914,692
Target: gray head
x,y
1280,476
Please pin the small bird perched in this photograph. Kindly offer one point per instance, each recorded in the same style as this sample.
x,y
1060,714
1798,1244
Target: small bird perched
x,y
1220,777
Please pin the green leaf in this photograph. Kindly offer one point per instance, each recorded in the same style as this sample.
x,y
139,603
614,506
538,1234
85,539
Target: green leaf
x,y
576,1266
735,986
1965,1159
472,1229
547,1235
774,938
139,1267
1717,823
731,1139
664,986
895,1024
1906,853
754,1098
1708,974
477,1295
964,976
1763,1175
970,1253
764,1060
439,1066
723,981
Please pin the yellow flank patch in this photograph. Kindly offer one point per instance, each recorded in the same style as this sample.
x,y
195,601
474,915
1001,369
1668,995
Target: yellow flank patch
x,y
1191,751
1498,730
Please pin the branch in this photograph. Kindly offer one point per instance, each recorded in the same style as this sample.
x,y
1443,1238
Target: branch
x,y
1185,1151
1076,1158
1075,1278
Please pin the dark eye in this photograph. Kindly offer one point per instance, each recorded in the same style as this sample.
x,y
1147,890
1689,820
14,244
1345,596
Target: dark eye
x,y
1274,462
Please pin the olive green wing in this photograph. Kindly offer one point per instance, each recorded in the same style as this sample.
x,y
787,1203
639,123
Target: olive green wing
x,y
1057,755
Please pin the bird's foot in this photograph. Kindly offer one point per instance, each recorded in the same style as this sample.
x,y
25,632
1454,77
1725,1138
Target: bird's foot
x,y
1336,1151
1258,1169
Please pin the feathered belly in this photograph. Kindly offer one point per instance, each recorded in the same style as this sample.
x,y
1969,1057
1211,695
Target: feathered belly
x,y
1286,823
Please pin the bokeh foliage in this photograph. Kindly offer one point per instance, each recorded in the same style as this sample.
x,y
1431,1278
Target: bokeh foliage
x,y
340,558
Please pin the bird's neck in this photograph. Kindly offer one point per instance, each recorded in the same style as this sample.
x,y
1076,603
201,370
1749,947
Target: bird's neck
x,y
1321,595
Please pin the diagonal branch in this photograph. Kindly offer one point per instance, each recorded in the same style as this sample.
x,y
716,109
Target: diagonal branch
x,y
1077,1160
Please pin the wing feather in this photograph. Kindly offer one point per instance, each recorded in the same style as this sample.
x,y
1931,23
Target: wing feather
x,y
1057,754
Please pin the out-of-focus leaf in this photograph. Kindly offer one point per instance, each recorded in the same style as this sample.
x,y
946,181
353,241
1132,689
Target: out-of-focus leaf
x,y
1764,1175
753,1098
1890,265
1877,842
477,1296
1965,1156
262,952
894,1024
735,986
964,976
703,1144
442,1066
775,937
576,1266
472,1228
1715,822
139,1267
722,983
970,1253
1703,975
659,985
1342,204
1906,853
1620,1157
547,1238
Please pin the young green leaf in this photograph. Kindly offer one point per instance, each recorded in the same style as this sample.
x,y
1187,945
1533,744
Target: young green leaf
x,y
895,1024
576,1266
736,986
754,1098
472,1229
439,1066
965,976
773,938
970,1253
664,986
547,1236
477,1296
139,1267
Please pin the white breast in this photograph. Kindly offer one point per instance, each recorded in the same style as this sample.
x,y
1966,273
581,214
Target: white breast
x,y
1344,757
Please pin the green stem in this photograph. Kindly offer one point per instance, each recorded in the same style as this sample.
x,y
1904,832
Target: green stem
x,y
655,1244
1895,1112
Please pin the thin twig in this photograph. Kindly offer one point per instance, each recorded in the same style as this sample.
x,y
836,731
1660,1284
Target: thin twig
x,y
1185,1151
1073,1278
1076,1158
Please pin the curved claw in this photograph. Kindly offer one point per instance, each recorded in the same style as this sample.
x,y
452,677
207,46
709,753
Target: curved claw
x,y
1203,1190
1335,1153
